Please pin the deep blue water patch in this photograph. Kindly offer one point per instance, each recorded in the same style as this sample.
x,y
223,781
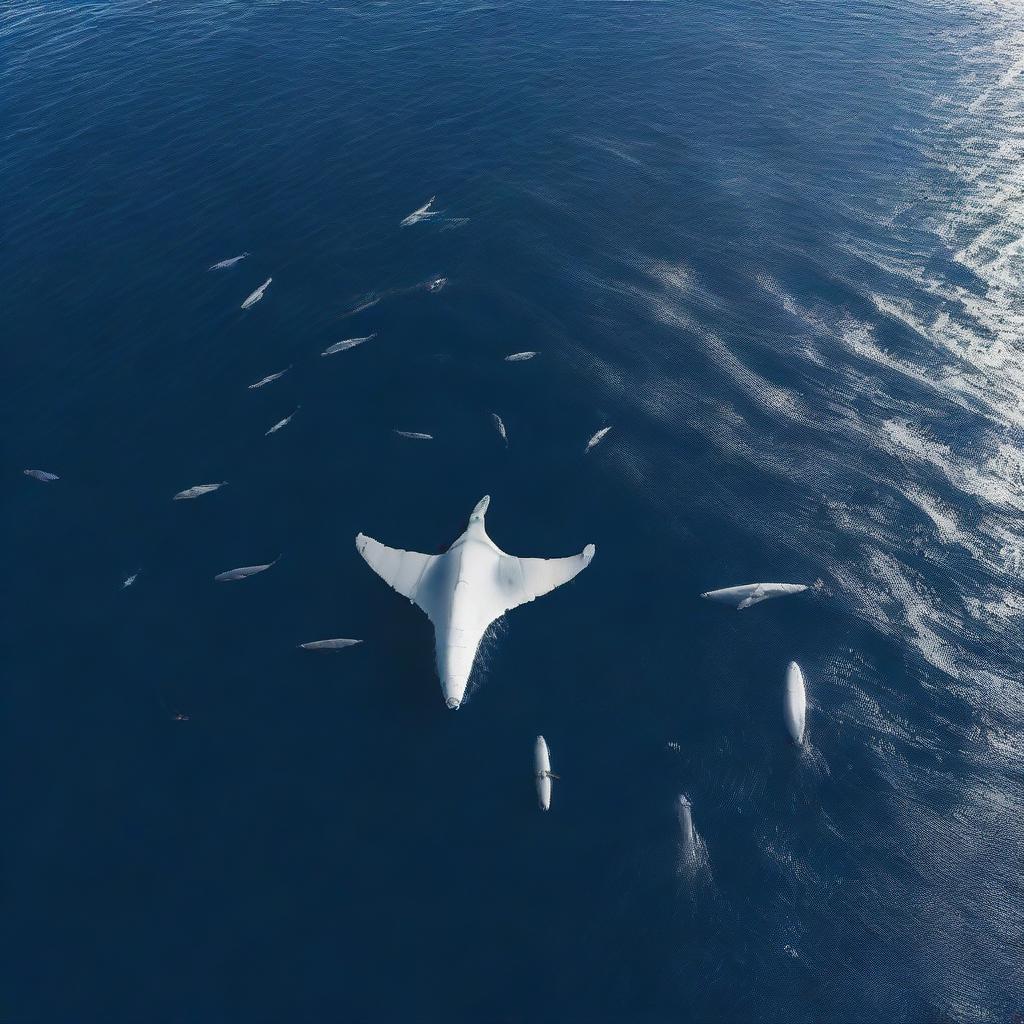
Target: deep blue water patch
x,y
772,246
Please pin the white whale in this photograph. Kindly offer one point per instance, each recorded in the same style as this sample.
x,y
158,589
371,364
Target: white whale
x,y
269,379
224,264
752,593
344,346
233,575
329,645
422,213
542,772
282,423
198,491
687,840
255,297
597,439
465,589
794,707
499,425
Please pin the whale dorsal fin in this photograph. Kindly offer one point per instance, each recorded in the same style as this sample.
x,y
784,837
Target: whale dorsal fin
x,y
400,570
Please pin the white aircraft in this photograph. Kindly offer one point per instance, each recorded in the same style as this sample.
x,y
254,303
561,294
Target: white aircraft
x,y
464,590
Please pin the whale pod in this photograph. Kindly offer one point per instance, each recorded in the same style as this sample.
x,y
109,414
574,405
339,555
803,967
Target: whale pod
x,y
750,594
794,707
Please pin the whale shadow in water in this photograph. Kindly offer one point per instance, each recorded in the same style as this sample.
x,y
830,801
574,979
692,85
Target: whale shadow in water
x,y
804,770
371,299
692,862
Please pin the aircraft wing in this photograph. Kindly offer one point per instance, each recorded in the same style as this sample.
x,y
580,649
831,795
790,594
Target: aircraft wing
x,y
401,570
524,579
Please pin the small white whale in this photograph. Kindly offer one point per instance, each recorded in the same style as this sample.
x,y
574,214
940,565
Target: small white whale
x,y
415,435
224,264
500,427
270,379
422,213
519,357
129,581
687,838
281,423
257,295
198,490
794,706
542,773
245,571
41,474
596,439
691,848
752,593
328,645
341,346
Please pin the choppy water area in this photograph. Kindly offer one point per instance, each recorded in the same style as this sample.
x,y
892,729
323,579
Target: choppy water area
x,y
776,247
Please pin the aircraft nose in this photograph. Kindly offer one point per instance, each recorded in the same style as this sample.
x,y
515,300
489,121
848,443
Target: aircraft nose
x,y
452,703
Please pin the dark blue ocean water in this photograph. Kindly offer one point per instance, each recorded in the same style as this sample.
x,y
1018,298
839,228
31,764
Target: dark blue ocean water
x,y
776,246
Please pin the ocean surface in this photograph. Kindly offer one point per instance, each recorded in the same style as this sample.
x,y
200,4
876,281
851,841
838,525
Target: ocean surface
x,y
777,247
